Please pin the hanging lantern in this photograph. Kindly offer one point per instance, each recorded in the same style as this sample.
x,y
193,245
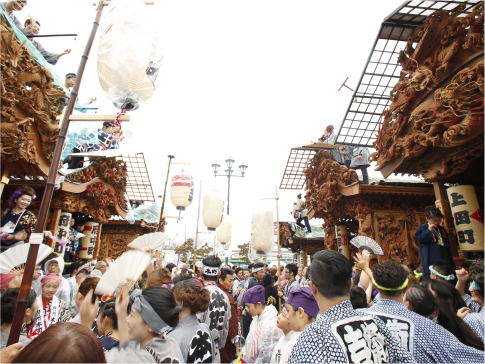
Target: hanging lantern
x,y
88,241
262,231
182,190
129,54
213,210
467,217
224,232
62,233
228,244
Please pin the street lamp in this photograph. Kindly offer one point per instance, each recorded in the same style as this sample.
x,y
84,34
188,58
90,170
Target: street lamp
x,y
229,173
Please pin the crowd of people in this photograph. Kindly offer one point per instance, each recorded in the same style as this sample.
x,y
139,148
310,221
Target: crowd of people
x,y
330,311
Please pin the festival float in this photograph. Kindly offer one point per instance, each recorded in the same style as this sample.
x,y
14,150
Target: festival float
x,y
419,103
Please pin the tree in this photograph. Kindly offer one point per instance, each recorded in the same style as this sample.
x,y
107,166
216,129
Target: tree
x,y
243,252
188,248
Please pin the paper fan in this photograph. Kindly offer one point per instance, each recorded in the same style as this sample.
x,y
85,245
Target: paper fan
x,y
366,243
128,267
17,256
149,241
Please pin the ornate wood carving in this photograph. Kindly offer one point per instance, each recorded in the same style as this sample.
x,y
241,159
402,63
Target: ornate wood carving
x,y
85,204
116,237
388,215
29,98
437,106
323,177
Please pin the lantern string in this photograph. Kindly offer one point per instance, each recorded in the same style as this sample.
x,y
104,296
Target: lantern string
x,y
117,123
180,212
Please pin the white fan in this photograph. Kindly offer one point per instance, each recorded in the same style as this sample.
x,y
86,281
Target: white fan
x,y
128,267
16,257
149,241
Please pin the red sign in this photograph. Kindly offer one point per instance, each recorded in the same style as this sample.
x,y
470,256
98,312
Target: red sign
x,y
344,240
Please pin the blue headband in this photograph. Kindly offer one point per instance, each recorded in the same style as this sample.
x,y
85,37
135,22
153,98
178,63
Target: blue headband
x,y
474,286
446,278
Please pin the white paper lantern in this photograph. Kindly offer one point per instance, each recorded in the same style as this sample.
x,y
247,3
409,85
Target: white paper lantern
x,y
262,231
224,232
213,210
228,244
88,241
182,190
62,232
129,53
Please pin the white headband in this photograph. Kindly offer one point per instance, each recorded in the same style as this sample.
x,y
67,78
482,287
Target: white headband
x,y
210,271
256,270
446,278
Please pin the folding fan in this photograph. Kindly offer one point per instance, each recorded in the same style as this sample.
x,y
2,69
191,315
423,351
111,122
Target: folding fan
x,y
58,240
149,241
128,267
366,243
16,257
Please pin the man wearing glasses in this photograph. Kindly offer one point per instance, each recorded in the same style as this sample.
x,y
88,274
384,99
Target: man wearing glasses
x,y
291,271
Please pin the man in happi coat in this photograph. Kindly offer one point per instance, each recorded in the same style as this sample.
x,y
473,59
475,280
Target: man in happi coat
x,y
106,141
219,312
226,283
342,334
427,341
263,333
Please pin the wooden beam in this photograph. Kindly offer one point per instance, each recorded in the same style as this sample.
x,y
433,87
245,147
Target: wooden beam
x,y
96,117
106,3
5,179
305,258
444,205
54,226
97,245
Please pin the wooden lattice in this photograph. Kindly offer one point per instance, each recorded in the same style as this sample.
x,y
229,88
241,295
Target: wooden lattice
x,y
138,185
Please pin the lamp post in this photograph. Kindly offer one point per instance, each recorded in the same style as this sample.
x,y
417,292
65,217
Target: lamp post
x,y
229,173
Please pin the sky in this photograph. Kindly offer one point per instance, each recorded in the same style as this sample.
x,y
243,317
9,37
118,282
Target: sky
x,y
247,80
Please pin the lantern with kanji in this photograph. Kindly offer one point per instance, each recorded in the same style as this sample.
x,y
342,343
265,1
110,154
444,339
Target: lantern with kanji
x,y
88,241
62,233
212,210
224,232
129,54
182,190
262,231
467,217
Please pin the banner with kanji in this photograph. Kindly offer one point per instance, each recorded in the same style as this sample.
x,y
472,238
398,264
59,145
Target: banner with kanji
x,y
467,217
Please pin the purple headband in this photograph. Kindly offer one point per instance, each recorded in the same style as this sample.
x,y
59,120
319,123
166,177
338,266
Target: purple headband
x,y
15,195
303,297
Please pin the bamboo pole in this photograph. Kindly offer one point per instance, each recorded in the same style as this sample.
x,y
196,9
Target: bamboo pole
x,y
279,248
197,231
26,284
165,193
